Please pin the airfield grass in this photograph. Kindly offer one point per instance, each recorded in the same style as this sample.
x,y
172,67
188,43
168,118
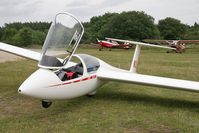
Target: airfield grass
x,y
116,107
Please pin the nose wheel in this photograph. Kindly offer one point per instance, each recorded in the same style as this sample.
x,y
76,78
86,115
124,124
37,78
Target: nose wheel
x,y
46,104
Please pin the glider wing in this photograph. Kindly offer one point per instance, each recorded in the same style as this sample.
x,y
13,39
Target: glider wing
x,y
20,51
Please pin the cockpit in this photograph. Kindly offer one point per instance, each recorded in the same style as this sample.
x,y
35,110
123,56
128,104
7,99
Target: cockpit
x,y
61,42
58,51
70,73
84,64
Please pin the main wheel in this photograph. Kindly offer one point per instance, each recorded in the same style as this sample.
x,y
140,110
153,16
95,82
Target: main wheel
x,y
46,104
91,94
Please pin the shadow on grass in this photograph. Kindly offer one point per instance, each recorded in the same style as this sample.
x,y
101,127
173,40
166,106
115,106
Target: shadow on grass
x,y
74,105
113,96
148,100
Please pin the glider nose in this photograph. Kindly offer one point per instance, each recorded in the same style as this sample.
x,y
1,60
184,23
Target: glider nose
x,y
19,90
35,84
25,88
29,85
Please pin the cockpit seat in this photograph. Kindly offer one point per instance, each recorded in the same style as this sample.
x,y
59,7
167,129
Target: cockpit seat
x,y
71,75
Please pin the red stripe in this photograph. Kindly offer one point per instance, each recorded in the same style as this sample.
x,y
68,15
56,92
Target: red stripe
x,y
55,85
94,76
66,83
76,81
84,79
135,63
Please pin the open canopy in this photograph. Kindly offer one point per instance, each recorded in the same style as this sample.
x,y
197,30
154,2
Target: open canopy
x,y
61,42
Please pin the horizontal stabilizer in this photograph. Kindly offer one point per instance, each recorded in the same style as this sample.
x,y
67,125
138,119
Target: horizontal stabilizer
x,y
139,43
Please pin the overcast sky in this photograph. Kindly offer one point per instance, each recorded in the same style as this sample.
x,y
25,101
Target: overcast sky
x,y
44,10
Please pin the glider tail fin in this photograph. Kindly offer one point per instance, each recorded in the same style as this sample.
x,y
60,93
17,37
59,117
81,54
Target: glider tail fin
x,y
134,63
137,51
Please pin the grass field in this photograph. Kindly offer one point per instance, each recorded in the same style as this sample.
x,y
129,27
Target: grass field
x,y
116,108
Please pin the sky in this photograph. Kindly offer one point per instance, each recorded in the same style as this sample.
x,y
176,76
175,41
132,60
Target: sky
x,y
44,10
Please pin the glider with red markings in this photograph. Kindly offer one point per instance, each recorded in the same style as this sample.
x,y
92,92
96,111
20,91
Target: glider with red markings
x,y
73,75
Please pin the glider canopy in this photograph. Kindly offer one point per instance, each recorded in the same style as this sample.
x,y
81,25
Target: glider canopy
x,y
61,42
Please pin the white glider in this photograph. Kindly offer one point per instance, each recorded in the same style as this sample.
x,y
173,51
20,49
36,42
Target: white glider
x,y
61,78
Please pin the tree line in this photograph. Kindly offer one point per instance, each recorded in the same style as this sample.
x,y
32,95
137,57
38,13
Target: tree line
x,y
137,26
24,34
134,25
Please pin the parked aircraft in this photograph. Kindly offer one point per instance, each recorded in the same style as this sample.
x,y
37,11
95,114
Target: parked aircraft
x,y
111,44
73,75
180,45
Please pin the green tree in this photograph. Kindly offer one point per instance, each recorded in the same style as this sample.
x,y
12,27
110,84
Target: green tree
x,y
171,28
8,34
1,33
24,37
41,26
193,32
86,36
92,29
130,25
38,37
24,34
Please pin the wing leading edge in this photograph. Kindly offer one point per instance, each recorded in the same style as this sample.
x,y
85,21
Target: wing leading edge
x,y
20,51
141,79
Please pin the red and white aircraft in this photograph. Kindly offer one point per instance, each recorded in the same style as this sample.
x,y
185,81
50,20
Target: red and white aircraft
x,y
61,78
112,44
178,44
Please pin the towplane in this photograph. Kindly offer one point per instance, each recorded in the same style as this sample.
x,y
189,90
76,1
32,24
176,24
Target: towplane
x,y
109,43
73,75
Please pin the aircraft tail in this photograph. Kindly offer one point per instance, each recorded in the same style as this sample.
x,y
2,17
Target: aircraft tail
x,y
98,40
134,63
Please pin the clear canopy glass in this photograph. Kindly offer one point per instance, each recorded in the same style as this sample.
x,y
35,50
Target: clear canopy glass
x,y
61,42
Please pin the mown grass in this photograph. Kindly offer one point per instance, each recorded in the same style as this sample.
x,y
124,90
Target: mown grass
x,y
117,107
